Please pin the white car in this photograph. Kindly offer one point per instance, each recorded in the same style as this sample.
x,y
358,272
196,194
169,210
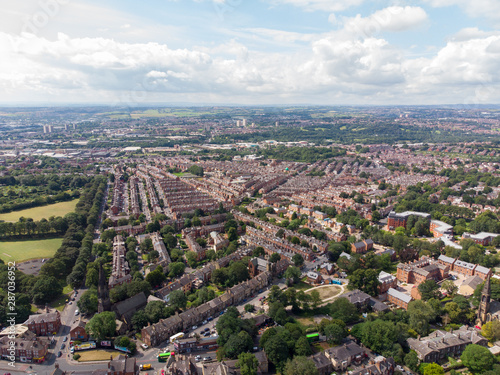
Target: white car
x,y
194,327
144,346
77,312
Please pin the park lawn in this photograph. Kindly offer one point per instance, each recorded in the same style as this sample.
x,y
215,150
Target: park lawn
x,y
179,174
37,213
301,285
59,303
31,249
327,291
97,355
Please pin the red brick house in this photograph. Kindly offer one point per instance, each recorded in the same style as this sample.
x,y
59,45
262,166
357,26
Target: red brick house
x,y
44,324
79,333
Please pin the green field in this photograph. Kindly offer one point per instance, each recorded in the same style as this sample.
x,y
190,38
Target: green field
x,y
37,213
23,250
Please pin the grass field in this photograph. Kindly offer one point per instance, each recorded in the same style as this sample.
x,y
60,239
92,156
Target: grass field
x,y
23,250
97,355
59,303
37,213
327,291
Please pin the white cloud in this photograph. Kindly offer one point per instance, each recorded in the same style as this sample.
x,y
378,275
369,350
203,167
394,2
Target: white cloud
x,y
389,19
489,9
321,5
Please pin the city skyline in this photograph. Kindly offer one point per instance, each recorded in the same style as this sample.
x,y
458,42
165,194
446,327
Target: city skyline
x,y
250,52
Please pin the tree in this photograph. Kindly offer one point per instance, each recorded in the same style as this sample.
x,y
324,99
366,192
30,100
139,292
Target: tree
x,y
428,289
315,298
276,350
125,342
102,325
248,364
433,369
156,277
274,257
258,251
46,289
298,260
192,259
140,319
365,280
232,235
249,308
334,333
88,302
491,330
92,278
420,313
293,273
237,344
477,358
178,299
176,269
300,366
449,286
302,347
344,310
411,360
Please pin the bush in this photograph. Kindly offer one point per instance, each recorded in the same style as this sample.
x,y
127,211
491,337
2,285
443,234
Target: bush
x,y
76,357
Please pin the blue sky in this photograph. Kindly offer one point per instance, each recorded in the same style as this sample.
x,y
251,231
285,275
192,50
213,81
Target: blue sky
x,y
250,52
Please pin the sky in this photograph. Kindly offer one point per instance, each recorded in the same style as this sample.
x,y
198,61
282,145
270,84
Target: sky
x,y
250,52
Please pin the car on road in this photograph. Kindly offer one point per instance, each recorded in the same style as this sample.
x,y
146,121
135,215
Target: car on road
x,y
77,312
207,358
65,338
59,354
198,358
145,367
63,346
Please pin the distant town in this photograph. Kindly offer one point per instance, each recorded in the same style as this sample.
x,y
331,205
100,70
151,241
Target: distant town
x,y
250,240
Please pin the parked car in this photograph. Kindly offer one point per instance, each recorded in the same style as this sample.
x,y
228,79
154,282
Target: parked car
x,y
206,334
70,303
204,322
207,358
198,358
144,346
209,318
63,345
206,329
65,338
59,354
77,312
194,327
145,367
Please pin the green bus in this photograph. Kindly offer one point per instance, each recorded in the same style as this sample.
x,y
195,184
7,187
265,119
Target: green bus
x,y
312,337
162,357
